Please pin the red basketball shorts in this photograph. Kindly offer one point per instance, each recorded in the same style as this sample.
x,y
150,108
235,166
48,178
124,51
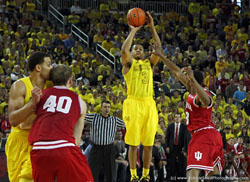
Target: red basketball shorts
x,y
64,164
205,150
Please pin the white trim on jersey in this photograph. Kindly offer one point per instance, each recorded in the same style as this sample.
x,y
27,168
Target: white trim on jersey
x,y
204,128
50,142
194,102
208,168
60,87
217,162
211,103
54,146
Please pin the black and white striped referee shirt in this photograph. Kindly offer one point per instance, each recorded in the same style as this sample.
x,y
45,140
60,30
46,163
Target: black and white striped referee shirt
x,y
103,129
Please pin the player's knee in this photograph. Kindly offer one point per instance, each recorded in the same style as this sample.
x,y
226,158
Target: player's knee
x,y
193,172
193,175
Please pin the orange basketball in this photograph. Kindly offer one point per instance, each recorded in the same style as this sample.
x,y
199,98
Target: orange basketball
x,y
136,17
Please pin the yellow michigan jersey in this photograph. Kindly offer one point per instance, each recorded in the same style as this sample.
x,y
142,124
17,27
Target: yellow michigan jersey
x,y
17,147
139,109
139,79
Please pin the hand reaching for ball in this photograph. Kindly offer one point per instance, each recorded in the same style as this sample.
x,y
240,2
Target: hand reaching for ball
x,y
135,29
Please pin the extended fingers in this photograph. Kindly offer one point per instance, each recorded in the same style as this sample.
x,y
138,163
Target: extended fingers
x,y
149,14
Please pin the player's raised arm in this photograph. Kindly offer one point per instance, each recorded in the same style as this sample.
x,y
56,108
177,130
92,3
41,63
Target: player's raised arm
x,y
170,65
126,57
154,58
202,95
80,124
18,112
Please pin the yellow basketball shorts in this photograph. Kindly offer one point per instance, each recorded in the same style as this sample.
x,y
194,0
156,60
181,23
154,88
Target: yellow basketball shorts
x,y
141,121
17,150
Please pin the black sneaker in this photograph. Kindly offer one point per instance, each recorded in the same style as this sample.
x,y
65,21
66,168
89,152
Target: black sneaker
x,y
145,178
134,179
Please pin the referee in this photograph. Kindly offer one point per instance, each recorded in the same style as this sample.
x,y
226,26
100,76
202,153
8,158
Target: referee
x,y
102,135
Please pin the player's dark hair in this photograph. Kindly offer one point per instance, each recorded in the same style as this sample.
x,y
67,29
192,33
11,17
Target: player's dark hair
x,y
144,48
60,74
36,58
199,77
105,101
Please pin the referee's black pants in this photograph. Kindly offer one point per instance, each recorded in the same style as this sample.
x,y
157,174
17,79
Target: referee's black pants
x,y
102,156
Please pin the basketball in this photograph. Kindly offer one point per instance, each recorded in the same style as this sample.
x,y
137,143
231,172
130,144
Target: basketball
x,y
136,17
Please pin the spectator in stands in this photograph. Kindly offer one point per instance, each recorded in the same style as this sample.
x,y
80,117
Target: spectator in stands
x,y
62,36
73,18
230,89
104,7
211,80
76,8
30,6
16,74
246,103
246,79
221,51
223,83
69,42
11,5
240,94
107,44
220,64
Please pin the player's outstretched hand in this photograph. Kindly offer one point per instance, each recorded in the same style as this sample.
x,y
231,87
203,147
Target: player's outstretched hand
x,y
189,72
150,20
157,50
36,95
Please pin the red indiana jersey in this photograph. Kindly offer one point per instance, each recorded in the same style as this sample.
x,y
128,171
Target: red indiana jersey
x,y
198,117
57,113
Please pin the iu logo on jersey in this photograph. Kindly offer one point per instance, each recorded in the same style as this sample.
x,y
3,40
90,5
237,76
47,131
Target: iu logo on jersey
x,y
198,155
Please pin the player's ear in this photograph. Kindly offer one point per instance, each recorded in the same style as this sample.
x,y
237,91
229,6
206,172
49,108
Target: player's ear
x,y
38,67
70,81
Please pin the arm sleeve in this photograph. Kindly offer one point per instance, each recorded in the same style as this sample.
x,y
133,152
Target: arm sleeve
x,y
120,123
89,118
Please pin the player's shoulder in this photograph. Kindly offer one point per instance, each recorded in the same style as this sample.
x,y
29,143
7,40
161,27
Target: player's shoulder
x,y
18,86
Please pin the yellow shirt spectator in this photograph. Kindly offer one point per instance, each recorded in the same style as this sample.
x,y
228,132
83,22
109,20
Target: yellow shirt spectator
x,y
242,36
75,68
105,67
219,65
30,7
175,100
107,44
194,8
73,18
229,30
98,38
41,34
229,135
104,7
11,5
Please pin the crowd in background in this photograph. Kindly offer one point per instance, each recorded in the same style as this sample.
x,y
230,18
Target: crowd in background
x,y
213,38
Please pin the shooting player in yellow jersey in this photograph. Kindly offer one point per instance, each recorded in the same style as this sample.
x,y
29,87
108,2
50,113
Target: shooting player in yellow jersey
x,y
139,109
21,116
